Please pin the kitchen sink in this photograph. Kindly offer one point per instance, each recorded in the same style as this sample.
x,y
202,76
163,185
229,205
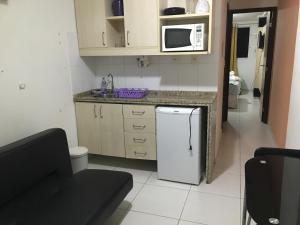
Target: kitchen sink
x,y
104,94
130,93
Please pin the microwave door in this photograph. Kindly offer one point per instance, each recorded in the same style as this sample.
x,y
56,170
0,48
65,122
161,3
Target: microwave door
x,y
178,39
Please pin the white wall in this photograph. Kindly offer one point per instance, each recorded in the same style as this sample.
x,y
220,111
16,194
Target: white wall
x,y
246,66
36,50
293,137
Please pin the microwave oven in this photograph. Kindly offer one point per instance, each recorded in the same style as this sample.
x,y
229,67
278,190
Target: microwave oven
x,y
187,37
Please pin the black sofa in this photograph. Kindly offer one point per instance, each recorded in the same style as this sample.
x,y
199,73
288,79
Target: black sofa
x,y
37,186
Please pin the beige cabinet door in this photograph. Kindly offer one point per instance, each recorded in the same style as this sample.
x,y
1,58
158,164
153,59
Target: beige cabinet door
x,y
141,23
88,126
91,23
112,130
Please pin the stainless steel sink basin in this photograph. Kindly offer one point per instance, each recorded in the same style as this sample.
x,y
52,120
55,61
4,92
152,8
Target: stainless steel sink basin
x,y
103,94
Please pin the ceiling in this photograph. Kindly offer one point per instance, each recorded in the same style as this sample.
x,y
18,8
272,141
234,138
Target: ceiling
x,y
246,17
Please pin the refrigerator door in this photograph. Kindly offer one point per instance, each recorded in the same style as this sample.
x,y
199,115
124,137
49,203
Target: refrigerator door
x,y
176,162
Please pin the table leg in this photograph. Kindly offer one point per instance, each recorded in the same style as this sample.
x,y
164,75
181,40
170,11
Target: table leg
x,y
249,220
244,210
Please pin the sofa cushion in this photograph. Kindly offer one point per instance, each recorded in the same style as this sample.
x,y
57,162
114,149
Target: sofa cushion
x,y
26,162
86,199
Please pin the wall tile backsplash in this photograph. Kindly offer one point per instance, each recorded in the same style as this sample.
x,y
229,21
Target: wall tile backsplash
x,y
188,73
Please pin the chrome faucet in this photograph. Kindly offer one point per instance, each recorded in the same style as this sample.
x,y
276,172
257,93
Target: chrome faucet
x,y
112,82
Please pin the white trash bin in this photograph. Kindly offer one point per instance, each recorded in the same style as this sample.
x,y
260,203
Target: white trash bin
x,y
79,158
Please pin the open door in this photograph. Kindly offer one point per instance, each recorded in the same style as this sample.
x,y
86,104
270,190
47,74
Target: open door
x,y
264,60
261,63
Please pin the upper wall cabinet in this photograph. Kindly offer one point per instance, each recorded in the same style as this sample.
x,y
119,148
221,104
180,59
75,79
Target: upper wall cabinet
x,y
141,23
91,24
138,31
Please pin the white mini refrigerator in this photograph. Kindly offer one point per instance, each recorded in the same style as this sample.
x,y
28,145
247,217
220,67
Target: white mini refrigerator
x,y
179,144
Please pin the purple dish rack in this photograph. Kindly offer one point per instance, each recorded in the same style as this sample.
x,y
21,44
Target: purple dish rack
x,y
134,93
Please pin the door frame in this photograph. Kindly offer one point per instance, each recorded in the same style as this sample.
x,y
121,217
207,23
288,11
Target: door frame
x,y
269,63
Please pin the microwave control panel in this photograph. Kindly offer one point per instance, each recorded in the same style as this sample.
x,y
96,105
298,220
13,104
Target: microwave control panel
x,y
200,29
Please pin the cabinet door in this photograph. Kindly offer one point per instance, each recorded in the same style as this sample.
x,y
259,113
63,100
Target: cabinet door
x,y
112,136
91,23
141,23
88,126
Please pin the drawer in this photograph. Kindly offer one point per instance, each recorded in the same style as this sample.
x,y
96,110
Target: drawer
x,y
140,152
138,139
139,125
138,111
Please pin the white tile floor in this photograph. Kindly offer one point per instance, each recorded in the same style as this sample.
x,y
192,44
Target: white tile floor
x,y
156,202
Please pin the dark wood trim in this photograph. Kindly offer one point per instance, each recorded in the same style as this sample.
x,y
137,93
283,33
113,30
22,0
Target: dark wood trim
x,y
269,66
263,9
227,64
268,75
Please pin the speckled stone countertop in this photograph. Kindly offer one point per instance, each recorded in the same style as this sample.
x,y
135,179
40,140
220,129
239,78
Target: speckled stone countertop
x,y
185,98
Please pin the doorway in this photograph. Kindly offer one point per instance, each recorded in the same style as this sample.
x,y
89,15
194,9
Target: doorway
x,y
249,53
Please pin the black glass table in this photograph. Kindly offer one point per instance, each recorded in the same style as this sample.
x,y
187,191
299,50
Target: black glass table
x,y
272,190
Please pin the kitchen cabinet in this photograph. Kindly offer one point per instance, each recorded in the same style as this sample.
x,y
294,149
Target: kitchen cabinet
x,y
91,24
126,131
100,128
138,32
88,126
112,138
141,23
140,138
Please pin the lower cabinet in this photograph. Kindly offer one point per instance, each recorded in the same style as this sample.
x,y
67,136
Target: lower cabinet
x,y
100,128
88,126
117,130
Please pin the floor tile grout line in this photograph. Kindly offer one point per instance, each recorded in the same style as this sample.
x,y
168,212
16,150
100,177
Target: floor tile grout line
x,y
153,214
162,186
184,204
194,222
221,195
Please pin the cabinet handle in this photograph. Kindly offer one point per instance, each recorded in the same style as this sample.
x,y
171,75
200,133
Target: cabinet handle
x,y
128,38
136,127
103,38
139,140
144,154
138,113
95,113
101,116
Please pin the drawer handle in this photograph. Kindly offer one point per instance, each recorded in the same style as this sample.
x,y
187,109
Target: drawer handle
x,y
139,140
144,154
95,113
128,43
136,127
103,39
138,113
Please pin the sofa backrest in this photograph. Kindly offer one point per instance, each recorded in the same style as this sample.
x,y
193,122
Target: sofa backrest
x,y
26,162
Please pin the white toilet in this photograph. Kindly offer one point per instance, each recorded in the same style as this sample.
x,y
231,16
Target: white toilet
x,y
79,158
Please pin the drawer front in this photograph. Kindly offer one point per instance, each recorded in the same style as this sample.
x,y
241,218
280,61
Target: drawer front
x,y
139,125
140,152
138,111
138,139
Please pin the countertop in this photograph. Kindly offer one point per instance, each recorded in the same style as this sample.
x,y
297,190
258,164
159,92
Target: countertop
x,y
184,98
